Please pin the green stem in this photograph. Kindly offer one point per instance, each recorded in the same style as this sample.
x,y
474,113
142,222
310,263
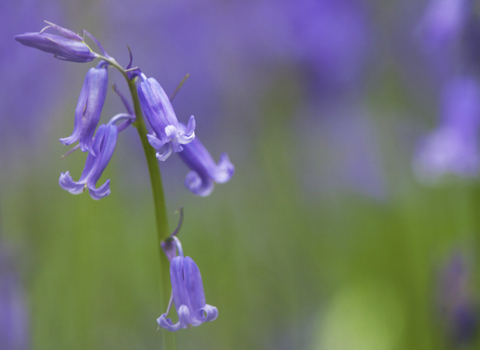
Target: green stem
x,y
158,199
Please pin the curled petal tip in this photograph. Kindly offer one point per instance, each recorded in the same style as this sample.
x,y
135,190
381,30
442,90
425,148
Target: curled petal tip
x,y
199,186
166,323
225,169
208,313
164,148
66,182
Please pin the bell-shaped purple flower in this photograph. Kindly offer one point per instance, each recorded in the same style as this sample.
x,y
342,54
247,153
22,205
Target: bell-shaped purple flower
x,y
168,134
89,108
205,172
67,46
187,293
104,144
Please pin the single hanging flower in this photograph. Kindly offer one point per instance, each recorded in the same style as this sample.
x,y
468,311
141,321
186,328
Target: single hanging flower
x,y
104,144
169,135
67,46
187,294
205,172
89,107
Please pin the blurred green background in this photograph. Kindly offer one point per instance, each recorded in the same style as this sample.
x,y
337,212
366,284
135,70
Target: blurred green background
x,y
323,239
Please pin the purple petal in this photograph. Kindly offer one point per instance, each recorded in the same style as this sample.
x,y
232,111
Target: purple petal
x,y
211,313
184,316
107,148
96,92
66,182
224,170
179,291
102,191
67,33
204,170
79,110
157,106
194,284
155,142
164,149
189,134
201,186
167,324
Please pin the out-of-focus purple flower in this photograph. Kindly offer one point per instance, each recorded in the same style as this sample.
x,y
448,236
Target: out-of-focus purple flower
x,y
104,144
205,172
331,38
443,21
454,300
453,146
14,333
187,293
89,108
67,46
169,135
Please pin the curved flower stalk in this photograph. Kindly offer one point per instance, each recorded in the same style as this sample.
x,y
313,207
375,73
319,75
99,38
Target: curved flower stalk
x,y
205,172
67,46
104,144
187,294
168,135
89,107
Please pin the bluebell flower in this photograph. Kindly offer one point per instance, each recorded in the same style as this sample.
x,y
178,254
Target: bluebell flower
x,y
453,146
67,46
205,172
104,144
89,108
168,134
187,294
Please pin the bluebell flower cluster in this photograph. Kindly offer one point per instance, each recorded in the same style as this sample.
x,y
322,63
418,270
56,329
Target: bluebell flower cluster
x,y
167,134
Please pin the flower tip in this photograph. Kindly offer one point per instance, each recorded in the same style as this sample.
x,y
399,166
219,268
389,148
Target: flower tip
x,y
227,169
22,38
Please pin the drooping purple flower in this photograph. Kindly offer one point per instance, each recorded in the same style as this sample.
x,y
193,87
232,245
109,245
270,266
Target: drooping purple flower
x,y
205,172
187,294
67,46
89,107
331,40
453,146
169,135
104,144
